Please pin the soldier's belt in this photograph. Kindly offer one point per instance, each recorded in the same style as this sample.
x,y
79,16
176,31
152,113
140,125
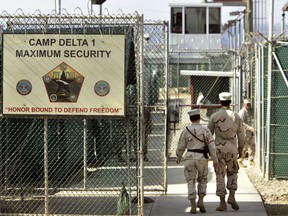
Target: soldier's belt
x,y
196,150
205,153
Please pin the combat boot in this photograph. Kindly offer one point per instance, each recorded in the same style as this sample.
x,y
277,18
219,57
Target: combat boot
x,y
240,162
193,206
222,206
200,203
232,201
251,163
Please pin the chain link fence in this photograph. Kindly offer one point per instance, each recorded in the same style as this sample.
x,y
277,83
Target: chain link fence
x,y
270,93
55,165
155,101
196,79
75,165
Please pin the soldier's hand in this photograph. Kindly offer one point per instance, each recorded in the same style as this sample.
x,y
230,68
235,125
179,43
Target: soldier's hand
x,y
215,165
252,129
240,152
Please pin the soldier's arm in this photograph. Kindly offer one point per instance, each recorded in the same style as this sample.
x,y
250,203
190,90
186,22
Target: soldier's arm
x,y
211,146
181,146
240,136
242,116
210,125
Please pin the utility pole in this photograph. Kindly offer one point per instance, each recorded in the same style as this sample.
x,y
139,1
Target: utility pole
x,y
58,6
249,17
269,87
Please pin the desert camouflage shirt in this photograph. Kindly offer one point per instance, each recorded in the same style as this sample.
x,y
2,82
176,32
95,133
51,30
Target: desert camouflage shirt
x,y
188,141
228,129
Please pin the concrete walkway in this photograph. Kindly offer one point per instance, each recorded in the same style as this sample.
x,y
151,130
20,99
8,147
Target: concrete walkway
x,y
176,202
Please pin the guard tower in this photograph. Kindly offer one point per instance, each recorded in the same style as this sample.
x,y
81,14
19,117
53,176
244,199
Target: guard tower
x,y
195,26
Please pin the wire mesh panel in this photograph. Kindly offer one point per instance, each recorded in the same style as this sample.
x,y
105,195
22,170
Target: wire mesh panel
x,y
73,186
154,79
22,165
279,119
271,123
196,89
87,165
256,88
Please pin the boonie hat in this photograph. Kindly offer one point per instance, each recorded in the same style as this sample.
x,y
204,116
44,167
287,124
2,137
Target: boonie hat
x,y
193,112
246,101
224,96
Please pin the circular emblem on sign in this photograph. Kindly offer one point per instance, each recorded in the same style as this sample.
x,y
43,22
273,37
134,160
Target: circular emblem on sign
x,y
79,79
53,97
24,87
63,67
73,97
47,79
102,88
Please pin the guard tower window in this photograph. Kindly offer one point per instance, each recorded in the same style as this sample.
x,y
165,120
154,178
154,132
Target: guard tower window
x,y
176,24
195,20
214,20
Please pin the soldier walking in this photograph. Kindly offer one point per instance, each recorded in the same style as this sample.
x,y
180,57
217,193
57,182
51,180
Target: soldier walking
x,y
249,147
229,141
193,139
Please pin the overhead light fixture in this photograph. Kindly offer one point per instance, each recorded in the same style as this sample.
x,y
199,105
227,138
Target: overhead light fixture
x,y
285,7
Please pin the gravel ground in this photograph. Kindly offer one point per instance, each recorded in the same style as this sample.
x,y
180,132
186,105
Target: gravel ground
x,y
274,192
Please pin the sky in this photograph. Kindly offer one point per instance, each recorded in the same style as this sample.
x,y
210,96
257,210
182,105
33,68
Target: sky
x,y
151,9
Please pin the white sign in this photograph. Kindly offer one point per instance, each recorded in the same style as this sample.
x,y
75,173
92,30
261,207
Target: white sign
x,y
52,74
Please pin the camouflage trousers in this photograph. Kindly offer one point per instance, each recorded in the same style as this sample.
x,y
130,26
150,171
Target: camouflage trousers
x,y
228,167
249,148
196,170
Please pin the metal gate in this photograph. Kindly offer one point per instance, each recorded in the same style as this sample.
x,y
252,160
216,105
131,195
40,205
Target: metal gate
x,y
196,79
73,165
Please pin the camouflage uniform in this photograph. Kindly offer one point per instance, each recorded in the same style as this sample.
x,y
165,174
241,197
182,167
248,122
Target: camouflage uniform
x,y
196,164
249,146
228,129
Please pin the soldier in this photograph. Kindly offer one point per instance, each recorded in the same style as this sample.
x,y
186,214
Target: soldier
x,y
229,141
193,138
249,147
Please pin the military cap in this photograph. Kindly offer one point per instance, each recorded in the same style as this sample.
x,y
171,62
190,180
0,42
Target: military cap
x,y
193,112
225,96
246,101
